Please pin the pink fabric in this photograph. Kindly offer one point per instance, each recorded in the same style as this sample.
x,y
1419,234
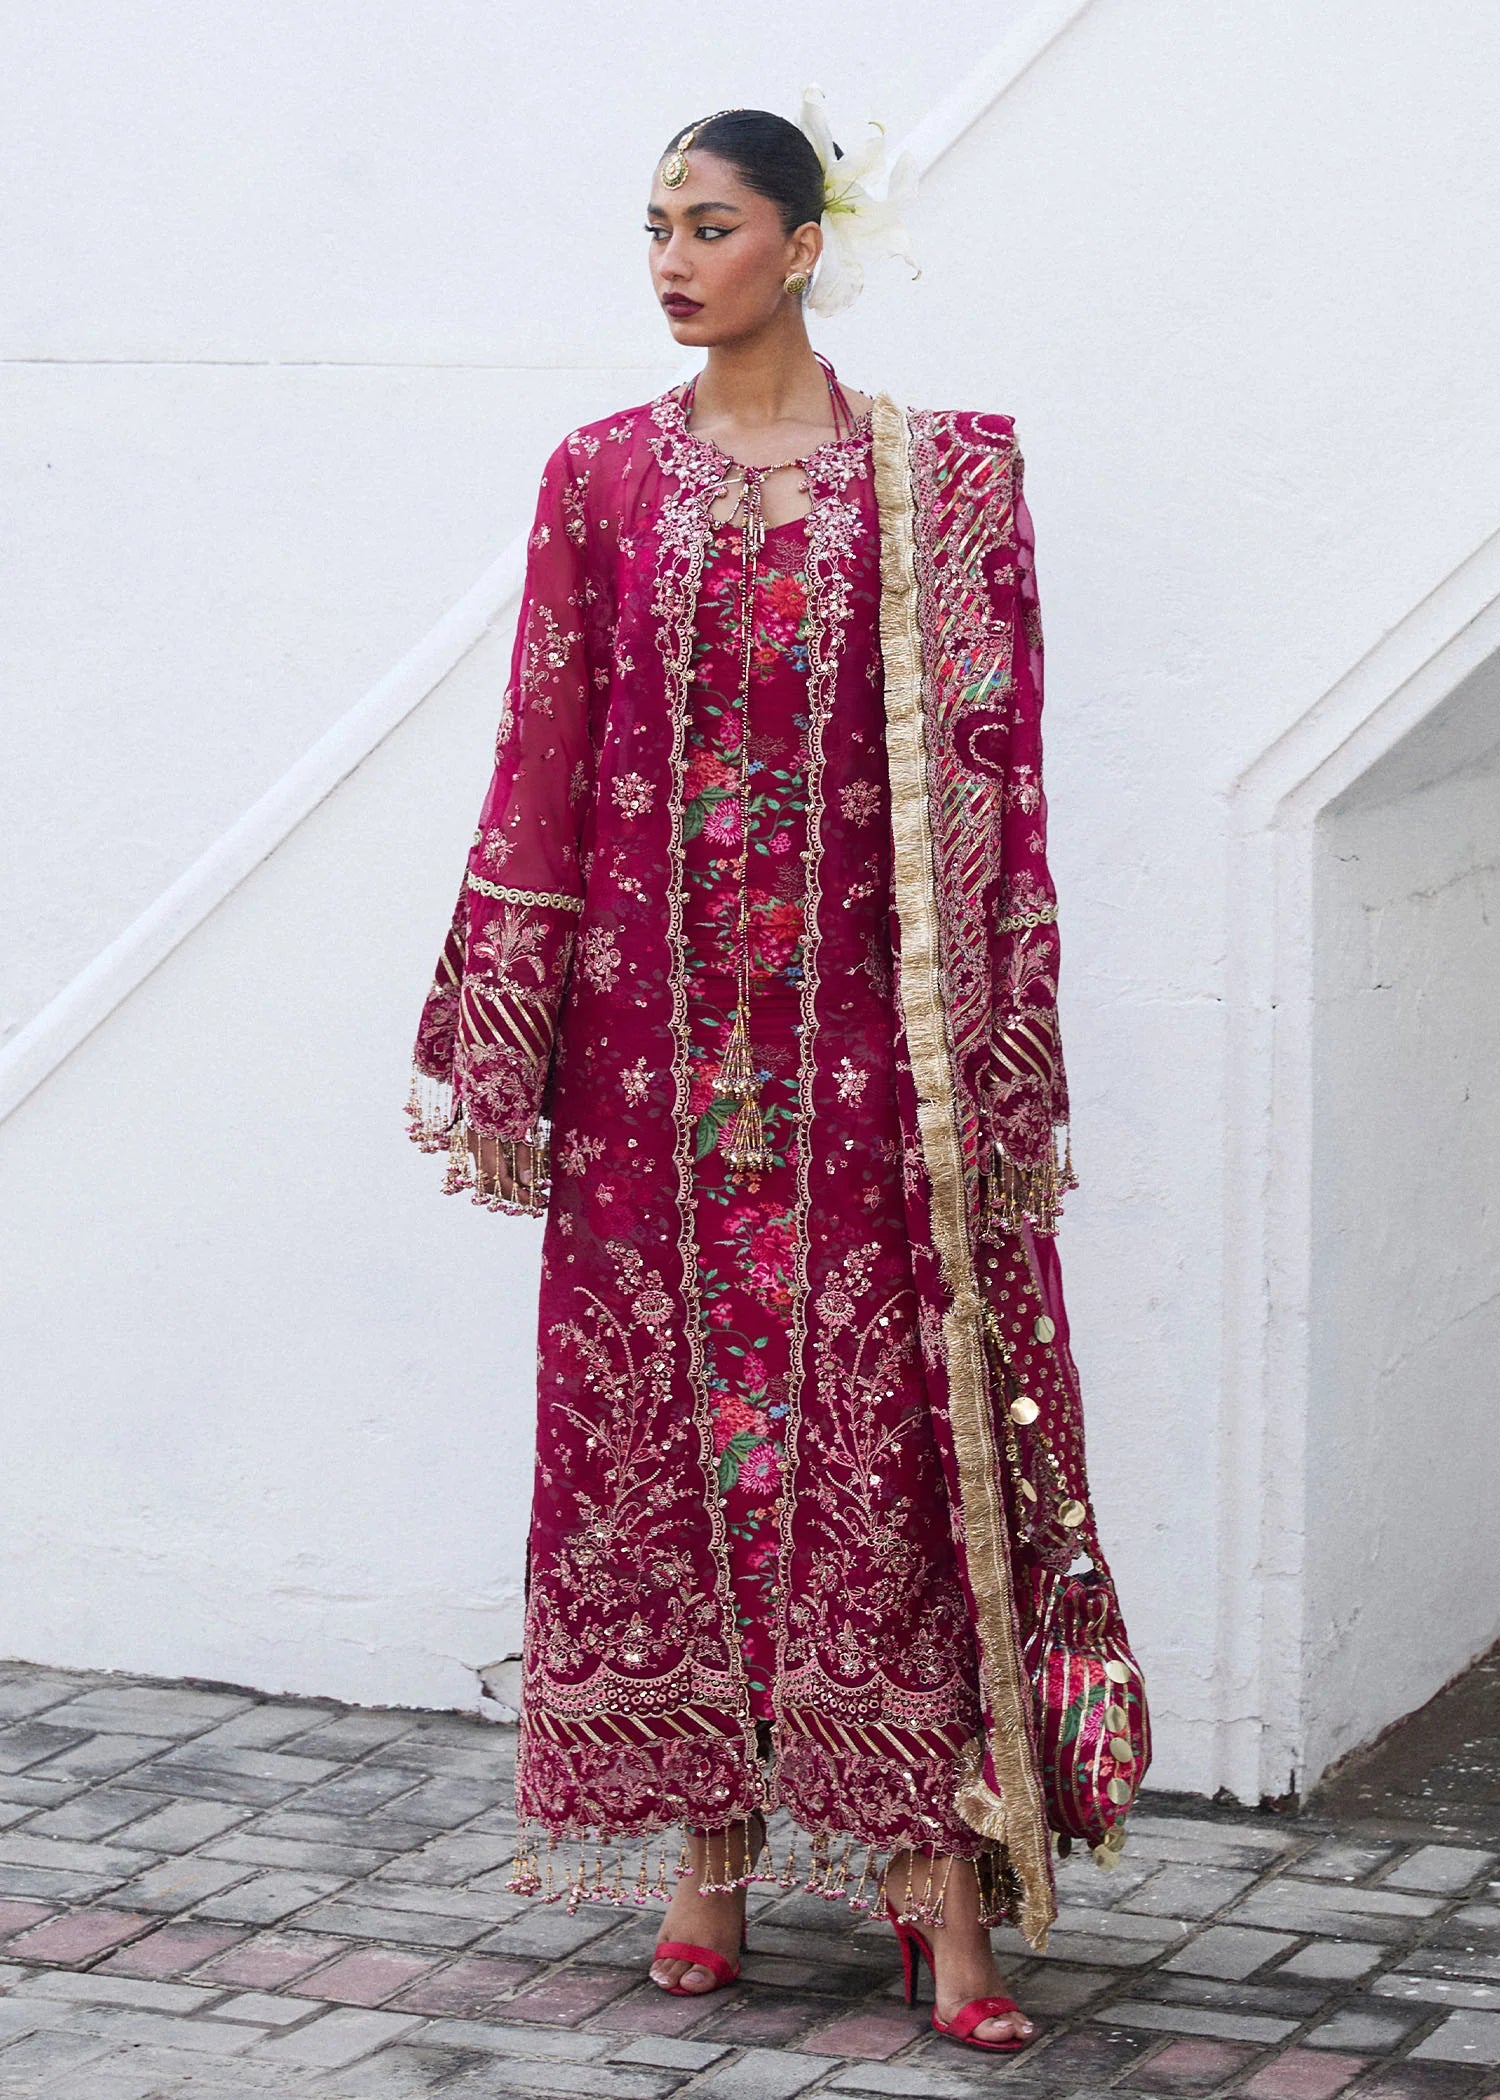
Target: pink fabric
x,y
581,987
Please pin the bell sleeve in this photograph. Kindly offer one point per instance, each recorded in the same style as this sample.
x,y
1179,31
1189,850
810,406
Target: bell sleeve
x,y
484,1049
1023,1091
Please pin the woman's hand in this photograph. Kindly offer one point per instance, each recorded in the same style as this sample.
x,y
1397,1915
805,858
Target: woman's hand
x,y
501,1169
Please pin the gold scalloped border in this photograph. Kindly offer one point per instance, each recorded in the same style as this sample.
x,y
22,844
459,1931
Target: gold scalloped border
x,y
1017,1815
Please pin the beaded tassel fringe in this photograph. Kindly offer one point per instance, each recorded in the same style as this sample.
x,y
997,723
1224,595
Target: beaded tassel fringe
x,y
437,1124
646,1870
1013,1195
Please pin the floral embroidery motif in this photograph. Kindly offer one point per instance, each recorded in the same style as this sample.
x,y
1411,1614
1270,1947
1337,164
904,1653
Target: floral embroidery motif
x,y
633,795
599,958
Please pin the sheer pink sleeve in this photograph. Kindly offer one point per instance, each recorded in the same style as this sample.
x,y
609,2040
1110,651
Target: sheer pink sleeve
x,y
484,1047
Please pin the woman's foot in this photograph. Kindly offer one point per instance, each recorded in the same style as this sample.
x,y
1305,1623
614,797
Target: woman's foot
x,y
716,1919
962,1957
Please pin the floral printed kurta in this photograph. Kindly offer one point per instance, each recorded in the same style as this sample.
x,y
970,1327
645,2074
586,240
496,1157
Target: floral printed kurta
x,y
785,1510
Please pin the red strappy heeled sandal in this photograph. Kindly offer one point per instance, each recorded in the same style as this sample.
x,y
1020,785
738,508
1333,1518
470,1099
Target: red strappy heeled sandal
x,y
961,2027
718,1966
722,1971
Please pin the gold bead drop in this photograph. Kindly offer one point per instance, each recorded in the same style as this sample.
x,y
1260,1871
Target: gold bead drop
x,y
1045,1328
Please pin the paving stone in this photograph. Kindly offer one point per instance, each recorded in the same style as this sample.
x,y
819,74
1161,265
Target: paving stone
x,y
593,2081
268,1898
517,2039
1294,2001
368,1921
1452,1961
179,1884
441,1804
1446,1869
30,2064
1198,2019
763,2017
568,1997
368,1976
1360,2027
19,1848
340,2037
344,1735
347,1861
1209,1842
406,2071
122,2024
352,1793
263,1727
92,1987
100,2080
21,1788
1229,1951
1335,1960
456,1857
472,1988
102,1756
144,1709
260,2009
203,1783
31,1742
1464,2038
1051,1990
32,1690
45,1882
911,2081
1303,2074
382,1833
1183,1891
1438,1990
1339,1858
1188,2067
169,1951
1404,2080
760,2074
77,1935
666,2053
647,2010
15,1916
270,1960
273,1765
180,1826
1088,2056
1083,1950
1333,1907
95,1813
869,2032
550,1933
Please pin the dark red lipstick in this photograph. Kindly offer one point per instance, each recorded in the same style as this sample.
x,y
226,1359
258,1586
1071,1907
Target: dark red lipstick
x,y
680,307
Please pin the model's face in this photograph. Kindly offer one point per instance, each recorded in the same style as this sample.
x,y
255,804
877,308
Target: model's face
x,y
719,255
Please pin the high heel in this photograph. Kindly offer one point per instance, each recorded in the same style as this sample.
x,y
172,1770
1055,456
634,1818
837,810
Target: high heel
x,y
960,2028
718,1966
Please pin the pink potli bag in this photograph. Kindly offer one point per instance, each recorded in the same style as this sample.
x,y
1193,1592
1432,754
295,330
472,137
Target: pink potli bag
x,y
1093,1724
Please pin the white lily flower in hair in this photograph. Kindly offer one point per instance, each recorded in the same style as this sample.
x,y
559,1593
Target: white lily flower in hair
x,y
858,226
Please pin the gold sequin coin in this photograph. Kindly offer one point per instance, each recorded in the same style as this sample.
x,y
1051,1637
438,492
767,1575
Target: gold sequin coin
x,y
1023,1408
1114,1837
1119,1748
1116,1718
1104,1856
1045,1328
1118,1789
1115,1670
1028,1491
1072,1514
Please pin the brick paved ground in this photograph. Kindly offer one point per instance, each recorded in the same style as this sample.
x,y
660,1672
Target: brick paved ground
x,y
207,1895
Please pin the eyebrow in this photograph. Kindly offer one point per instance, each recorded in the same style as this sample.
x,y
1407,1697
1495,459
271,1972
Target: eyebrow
x,y
693,211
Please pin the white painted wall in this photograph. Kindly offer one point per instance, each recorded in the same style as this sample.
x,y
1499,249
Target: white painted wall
x,y
277,384
1403,1481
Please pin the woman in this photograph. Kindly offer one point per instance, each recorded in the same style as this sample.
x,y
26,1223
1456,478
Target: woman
x,y
751,989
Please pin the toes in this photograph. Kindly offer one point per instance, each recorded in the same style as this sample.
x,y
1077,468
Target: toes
x,y
668,1973
1004,2027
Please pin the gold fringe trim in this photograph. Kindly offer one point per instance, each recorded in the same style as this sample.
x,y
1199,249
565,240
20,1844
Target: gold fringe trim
x,y
633,1872
437,1124
1017,1815
1012,1195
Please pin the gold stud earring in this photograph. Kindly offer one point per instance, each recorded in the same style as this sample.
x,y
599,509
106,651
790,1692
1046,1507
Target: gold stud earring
x,y
796,284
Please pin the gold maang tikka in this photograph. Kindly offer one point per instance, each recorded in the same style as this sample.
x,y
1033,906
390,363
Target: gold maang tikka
x,y
674,169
